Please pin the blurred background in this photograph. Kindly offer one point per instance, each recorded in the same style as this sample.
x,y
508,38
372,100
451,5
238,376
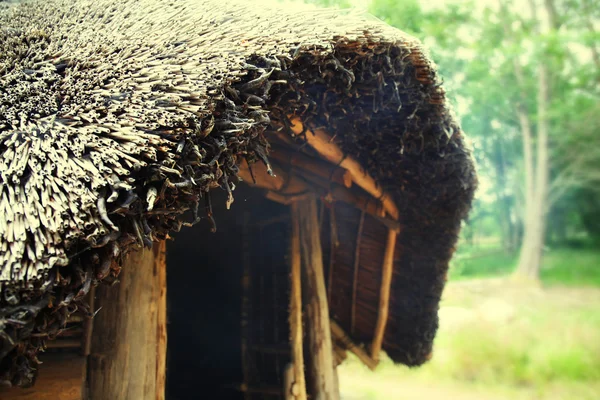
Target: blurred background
x,y
520,317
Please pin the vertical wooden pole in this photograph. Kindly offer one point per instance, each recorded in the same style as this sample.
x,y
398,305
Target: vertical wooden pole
x,y
128,346
289,382
298,387
322,371
384,295
160,264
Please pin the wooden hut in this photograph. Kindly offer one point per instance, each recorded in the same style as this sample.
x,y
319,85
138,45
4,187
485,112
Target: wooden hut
x,y
313,152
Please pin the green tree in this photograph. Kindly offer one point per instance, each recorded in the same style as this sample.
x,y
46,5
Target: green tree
x,y
525,82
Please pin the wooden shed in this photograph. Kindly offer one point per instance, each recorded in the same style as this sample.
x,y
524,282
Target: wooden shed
x,y
306,164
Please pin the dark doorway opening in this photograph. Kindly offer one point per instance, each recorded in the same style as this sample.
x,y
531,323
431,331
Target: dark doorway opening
x,y
205,300
204,304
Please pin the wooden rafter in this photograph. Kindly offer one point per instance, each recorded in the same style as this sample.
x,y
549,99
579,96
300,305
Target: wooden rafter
x,y
318,167
346,341
384,296
333,244
355,272
324,145
286,187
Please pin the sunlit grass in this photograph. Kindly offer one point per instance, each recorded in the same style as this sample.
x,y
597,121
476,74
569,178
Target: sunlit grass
x,y
576,267
499,341
560,266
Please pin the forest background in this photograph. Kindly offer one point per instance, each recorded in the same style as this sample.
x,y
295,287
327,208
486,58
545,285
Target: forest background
x,y
520,317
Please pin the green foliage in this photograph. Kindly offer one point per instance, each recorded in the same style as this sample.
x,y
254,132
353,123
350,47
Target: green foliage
x,y
574,267
477,46
491,264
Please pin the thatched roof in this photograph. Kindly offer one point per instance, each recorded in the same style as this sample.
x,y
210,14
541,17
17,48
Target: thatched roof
x,y
117,117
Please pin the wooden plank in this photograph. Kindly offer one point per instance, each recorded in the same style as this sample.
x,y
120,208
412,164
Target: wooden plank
x,y
322,385
126,359
295,317
60,377
384,296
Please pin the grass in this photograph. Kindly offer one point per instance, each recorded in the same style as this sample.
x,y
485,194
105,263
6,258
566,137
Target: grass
x,y
499,340
560,266
573,267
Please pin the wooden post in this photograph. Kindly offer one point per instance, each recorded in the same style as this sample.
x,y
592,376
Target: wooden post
x,y
323,380
160,264
127,359
298,386
289,383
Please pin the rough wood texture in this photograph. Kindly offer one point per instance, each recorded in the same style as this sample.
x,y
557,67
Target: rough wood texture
x,y
160,264
61,377
289,383
129,341
89,323
384,296
257,175
321,168
296,336
323,383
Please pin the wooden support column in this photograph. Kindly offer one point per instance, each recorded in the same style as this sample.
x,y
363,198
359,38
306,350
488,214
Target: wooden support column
x,y
128,346
320,363
298,386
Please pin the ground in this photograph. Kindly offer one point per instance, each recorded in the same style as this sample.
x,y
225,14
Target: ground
x,y
498,340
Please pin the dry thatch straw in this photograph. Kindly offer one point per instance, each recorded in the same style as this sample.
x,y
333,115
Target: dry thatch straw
x,y
117,118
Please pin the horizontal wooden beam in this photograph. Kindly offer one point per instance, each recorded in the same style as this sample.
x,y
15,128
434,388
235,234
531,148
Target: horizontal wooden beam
x,y
324,145
64,344
286,188
268,390
319,167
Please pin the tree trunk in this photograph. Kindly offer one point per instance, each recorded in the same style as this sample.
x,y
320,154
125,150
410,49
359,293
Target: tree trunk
x,y
502,199
530,258
128,348
322,383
